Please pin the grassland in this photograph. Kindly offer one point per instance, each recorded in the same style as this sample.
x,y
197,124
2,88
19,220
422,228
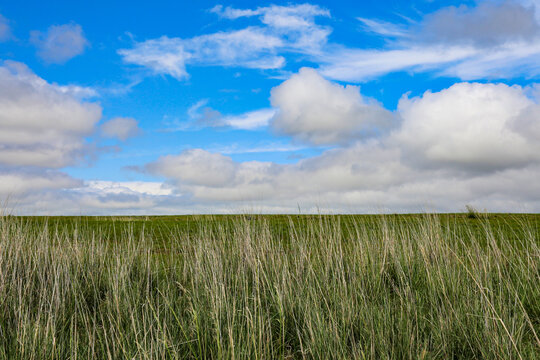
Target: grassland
x,y
270,287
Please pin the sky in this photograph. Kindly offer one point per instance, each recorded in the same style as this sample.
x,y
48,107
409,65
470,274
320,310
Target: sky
x,y
191,107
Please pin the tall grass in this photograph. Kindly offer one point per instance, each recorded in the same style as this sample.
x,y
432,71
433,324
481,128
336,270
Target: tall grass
x,y
385,288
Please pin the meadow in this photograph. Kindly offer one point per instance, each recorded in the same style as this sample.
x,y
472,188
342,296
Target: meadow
x,y
427,286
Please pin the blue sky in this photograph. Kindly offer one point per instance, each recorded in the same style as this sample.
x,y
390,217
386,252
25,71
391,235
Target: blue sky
x,y
187,107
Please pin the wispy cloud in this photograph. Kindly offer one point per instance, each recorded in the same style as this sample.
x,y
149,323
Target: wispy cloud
x,y
256,148
250,120
5,29
491,40
102,187
121,128
384,28
199,115
488,40
59,43
283,29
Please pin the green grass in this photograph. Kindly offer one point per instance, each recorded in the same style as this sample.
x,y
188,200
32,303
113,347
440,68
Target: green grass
x,y
270,287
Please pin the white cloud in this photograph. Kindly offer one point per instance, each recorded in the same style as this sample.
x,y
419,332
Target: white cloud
x,y
196,167
16,182
121,128
493,40
486,24
317,111
78,92
232,13
44,127
5,30
294,23
102,187
475,126
301,15
256,148
284,29
334,172
506,61
250,120
532,3
201,115
60,43
471,143
250,48
70,90
51,194
361,178
360,65
162,56
41,125
384,28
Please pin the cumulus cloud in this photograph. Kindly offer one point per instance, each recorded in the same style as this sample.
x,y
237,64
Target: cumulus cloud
x,y
57,194
196,167
334,172
5,30
317,111
45,127
121,128
40,124
480,127
471,143
15,182
359,178
284,29
59,43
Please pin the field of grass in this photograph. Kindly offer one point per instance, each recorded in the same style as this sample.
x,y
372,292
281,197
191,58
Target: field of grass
x,y
270,287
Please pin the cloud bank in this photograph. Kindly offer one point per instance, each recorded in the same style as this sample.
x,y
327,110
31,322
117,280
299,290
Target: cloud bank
x,y
470,143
